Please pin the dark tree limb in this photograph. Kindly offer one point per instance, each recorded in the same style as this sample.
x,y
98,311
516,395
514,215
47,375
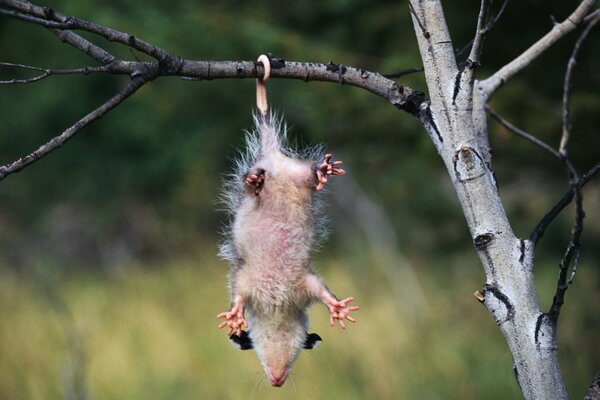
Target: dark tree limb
x,y
57,141
141,72
44,15
47,72
403,73
566,131
521,133
541,227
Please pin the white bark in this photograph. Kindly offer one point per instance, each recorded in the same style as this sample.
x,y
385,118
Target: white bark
x,y
460,135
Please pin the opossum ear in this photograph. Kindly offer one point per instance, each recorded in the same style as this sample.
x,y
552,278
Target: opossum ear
x,y
312,340
242,342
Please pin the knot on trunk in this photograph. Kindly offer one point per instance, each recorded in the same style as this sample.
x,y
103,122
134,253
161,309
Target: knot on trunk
x,y
468,164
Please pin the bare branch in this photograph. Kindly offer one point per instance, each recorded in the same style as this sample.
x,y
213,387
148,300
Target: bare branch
x,y
491,84
34,20
482,28
566,131
47,72
43,15
541,227
16,166
571,256
404,72
522,133
489,26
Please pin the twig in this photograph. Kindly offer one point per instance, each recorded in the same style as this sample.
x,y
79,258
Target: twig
x,y
489,26
566,131
522,133
482,29
46,72
404,72
43,14
541,227
34,20
16,166
559,30
571,256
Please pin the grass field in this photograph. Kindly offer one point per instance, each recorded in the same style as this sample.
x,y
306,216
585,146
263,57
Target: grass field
x,y
151,333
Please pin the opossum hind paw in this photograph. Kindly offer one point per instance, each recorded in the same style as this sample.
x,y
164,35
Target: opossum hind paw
x,y
255,180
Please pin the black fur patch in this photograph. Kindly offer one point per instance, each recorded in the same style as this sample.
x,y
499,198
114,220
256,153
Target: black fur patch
x,y
312,340
242,342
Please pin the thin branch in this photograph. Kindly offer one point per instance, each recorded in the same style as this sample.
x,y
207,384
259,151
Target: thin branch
x,y
489,27
401,97
16,166
43,15
541,227
566,131
404,72
559,30
571,257
482,29
47,72
522,133
34,20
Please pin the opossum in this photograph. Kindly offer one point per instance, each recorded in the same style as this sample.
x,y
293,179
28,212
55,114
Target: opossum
x,y
274,228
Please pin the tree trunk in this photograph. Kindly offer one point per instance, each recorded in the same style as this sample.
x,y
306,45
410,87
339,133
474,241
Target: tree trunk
x,y
459,131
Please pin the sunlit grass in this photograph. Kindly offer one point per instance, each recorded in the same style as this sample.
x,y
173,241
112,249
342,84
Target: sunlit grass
x,y
151,334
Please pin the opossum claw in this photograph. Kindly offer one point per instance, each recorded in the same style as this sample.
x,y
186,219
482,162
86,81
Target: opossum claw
x,y
325,169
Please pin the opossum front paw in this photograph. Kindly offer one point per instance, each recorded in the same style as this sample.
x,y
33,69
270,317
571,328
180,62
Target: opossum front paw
x,y
339,309
234,319
325,169
255,180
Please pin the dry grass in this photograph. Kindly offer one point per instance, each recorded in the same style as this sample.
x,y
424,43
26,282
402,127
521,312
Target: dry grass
x,y
152,334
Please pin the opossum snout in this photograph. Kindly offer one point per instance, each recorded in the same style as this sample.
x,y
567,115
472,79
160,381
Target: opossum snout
x,y
277,376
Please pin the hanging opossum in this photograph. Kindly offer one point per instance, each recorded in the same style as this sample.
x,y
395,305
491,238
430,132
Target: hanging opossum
x,y
273,231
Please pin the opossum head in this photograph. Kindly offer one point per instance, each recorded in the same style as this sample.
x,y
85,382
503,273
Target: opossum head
x,y
277,346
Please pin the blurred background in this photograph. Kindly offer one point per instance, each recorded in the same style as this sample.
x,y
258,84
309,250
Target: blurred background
x,y
109,279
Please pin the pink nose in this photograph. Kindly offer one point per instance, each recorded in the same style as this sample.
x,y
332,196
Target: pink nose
x,y
278,378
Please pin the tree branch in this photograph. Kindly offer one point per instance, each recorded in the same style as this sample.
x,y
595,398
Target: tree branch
x,y
571,256
522,133
59,140
482,29
540,228
44,16
491,84
488,27
566,131
402,73
402,97
47,72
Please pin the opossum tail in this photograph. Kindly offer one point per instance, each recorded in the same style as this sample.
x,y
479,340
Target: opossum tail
x,y
272,132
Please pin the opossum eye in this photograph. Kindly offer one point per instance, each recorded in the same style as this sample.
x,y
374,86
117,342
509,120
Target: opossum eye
x,y
242,342
312,340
